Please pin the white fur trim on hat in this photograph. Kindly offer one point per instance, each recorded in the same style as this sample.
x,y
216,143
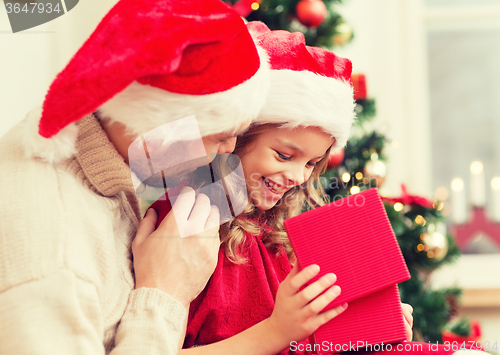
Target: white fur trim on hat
x,y
142,107
303,98
52,150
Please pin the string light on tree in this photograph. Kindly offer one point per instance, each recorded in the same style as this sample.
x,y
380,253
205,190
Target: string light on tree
x,y
354,190
420,220
376,169
398,207
438,205
245,7
346,177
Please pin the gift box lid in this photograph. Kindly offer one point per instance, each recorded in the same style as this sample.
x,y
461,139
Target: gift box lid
x,y
352,238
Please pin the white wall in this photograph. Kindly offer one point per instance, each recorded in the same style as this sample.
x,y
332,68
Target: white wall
x,y
389,48
29,60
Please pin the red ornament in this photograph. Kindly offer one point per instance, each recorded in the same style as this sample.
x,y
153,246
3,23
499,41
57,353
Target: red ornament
x,y
359,84
336,158
311,13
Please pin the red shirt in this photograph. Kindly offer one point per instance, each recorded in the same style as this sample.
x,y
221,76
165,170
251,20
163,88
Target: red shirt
x,y
237,296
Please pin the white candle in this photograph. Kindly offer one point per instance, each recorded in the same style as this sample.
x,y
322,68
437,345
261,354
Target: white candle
x,y
495,199
477,184
458,202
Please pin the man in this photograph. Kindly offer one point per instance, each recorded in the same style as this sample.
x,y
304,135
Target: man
x,y
78,273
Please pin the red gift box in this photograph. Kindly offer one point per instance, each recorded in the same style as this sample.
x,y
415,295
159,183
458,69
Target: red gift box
x,y
353,238
359,84
475,335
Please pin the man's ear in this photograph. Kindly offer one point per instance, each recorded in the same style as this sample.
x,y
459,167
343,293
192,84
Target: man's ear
x,y
118,134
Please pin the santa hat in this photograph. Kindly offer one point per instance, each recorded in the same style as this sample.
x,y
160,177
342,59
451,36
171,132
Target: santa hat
x,y
152,62
310,86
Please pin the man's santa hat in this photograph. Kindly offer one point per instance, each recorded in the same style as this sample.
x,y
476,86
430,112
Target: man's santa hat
x,y
152,62
310,86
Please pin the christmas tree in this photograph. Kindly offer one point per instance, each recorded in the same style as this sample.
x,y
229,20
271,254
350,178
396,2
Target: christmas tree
x,y
317,20
417,222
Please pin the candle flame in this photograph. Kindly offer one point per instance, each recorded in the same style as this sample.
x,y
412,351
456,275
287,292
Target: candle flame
x,y
495,183
457,184
476,167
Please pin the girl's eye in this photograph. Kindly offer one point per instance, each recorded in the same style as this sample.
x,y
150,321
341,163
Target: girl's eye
x,y
282,156
311,164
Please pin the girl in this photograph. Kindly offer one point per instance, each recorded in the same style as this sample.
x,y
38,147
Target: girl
x,y
281,167
255,302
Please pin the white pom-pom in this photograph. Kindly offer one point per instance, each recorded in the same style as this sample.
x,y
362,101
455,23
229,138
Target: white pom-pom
x,y
52,150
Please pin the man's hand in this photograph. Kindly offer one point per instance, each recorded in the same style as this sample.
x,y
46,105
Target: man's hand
x,y
407,315
178,266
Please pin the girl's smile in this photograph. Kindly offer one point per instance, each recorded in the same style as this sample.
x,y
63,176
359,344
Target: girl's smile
x,y
280,159
274,188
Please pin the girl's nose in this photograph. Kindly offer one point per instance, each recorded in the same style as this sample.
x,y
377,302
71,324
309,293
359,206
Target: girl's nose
x,y
296,175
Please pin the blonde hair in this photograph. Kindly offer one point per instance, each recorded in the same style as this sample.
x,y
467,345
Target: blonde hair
x,y
302,197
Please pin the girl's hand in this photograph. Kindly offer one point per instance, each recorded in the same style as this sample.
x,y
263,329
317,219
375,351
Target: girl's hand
x,y
407,315
296,315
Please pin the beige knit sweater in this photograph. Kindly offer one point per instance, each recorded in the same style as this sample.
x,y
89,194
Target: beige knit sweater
x,y
66,278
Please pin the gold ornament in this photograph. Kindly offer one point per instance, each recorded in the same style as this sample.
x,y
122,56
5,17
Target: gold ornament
x,y
343,34
434,244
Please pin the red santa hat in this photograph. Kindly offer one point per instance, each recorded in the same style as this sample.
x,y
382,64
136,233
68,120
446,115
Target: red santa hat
x,y
152,62
310,86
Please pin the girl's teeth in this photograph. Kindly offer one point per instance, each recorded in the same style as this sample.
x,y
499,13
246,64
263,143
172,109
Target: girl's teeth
x,y
271,186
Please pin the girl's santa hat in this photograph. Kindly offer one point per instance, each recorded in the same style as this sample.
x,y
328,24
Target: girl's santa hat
x,y
152,62
310,86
